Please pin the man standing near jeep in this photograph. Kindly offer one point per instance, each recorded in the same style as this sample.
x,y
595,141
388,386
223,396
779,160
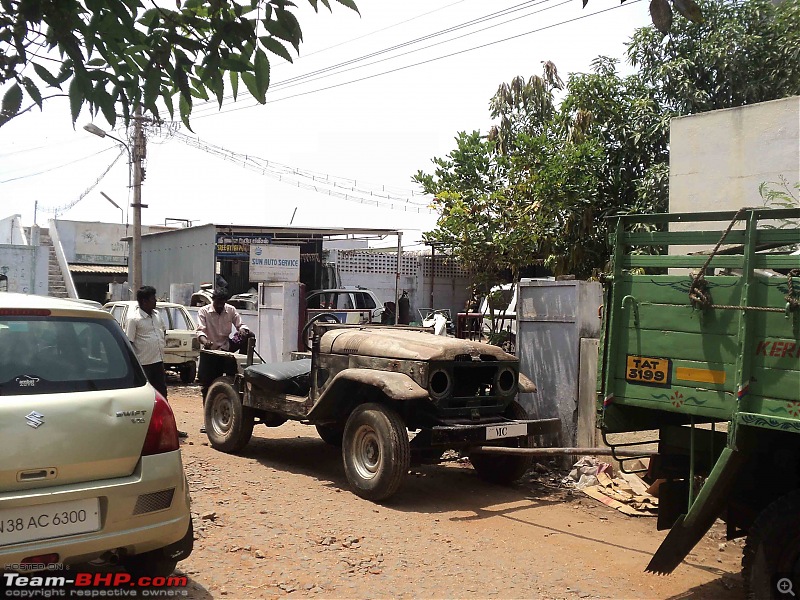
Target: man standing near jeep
x,y
147,333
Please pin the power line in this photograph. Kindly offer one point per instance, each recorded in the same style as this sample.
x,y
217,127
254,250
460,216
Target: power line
x,y
311,76
65,207
338,187
72,162
366,35
586,16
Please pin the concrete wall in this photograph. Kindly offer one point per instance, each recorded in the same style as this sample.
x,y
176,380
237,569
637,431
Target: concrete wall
x,y
12,232
377,271
24,269
719,158
97,243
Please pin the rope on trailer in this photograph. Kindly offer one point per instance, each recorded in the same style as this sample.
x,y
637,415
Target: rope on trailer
x,y
699,294
792,300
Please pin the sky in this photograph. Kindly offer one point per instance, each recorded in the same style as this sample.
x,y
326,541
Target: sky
x,y
375,126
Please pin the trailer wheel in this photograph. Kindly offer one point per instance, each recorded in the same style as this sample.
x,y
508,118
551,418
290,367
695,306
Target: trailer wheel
x,y
331,434
375,451
505,469
229,424
773,547
188,372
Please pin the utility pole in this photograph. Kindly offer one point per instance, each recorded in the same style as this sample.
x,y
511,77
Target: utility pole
x,y
139,153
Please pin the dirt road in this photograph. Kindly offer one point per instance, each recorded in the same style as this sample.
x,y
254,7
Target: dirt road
x,y
279,520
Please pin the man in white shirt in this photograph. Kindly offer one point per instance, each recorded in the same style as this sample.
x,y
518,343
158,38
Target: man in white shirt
x,y
215,322
147,332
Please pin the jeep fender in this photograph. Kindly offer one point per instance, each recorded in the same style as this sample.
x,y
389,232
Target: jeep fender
x,y
394,386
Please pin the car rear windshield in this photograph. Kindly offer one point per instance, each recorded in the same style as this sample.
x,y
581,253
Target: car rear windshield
x,y
50,355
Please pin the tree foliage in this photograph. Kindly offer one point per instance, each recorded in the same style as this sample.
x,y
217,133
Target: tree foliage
x,y
541,183
112,55
743,52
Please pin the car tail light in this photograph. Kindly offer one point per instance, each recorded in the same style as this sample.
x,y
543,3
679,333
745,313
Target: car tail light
x,y
162,435
40,559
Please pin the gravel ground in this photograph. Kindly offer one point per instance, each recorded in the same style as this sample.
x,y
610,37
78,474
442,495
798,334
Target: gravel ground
x,y
278,520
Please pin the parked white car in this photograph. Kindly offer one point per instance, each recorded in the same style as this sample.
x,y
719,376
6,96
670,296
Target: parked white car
x,y
182,346
90,467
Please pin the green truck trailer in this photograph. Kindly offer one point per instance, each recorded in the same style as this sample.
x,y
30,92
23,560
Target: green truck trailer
x,y
702,351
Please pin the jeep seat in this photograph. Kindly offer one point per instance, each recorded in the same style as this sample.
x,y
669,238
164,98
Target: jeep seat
x,y
290,377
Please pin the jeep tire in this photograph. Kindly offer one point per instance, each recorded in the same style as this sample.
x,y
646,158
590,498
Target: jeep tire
x,y
375,451
229,424
505,469
331,434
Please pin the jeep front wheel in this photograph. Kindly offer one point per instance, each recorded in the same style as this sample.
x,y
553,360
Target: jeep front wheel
x,y
375,451
505,469
229,424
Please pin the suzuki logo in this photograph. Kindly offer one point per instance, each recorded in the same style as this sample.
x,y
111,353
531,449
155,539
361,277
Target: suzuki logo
x,y
34,419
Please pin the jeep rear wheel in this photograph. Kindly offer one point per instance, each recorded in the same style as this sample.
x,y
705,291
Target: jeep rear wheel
x,y
505,469
375,451
229,425
331,434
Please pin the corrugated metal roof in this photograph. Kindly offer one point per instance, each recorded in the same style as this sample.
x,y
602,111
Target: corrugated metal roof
x,y
102,269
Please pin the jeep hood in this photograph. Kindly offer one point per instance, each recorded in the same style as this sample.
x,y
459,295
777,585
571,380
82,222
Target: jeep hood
x,y
404,344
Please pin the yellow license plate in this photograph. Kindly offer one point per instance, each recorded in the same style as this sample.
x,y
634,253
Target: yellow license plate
x,y
647,370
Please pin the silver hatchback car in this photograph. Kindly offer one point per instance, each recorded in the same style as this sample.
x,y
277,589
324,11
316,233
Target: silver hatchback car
x,y
90,465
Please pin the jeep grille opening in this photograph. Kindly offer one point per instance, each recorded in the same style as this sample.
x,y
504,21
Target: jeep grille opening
x,y
440,384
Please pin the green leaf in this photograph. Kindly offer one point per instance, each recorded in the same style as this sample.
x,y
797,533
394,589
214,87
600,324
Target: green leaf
x,y
661,14
262,75
76,97
234,76
167,96
275,47
107,106
689,9
250,82
12,102
152,87
45,75
349,4
33,91
185,108
150,18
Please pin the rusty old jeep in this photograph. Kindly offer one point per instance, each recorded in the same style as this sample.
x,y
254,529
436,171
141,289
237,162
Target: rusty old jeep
x,y
390,397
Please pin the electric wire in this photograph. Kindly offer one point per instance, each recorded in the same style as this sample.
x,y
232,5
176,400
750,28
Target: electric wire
x,y
293,176
402,68
311,76
65,207
72,162
371,33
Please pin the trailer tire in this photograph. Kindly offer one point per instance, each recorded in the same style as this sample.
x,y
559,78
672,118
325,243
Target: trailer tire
x,y
375,451
331,434
229,424
773,547
505,469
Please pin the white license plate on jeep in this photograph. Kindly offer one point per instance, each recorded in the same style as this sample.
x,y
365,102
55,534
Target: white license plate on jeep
x,y
52,520
496,432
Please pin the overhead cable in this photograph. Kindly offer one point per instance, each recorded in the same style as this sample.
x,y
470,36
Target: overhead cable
x,y
330,87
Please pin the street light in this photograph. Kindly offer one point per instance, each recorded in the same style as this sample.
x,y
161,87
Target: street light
x,y
135,166
122,212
